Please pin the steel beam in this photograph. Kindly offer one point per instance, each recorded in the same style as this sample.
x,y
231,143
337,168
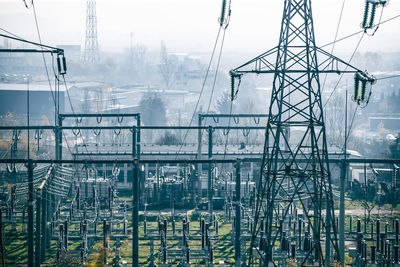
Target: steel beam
x,y
38,230
135,215
138,136
188,161
240,115
126,127
134,142
197,190
95,115
2,248
58,138
49,48
343,173
44,226
210,180
30,214
237,216
27,51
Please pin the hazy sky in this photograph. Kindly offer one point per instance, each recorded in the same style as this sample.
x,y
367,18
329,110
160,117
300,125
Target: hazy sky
x,y
191,25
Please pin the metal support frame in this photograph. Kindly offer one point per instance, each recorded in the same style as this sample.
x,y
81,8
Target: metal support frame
x,y
38,230
210,175
130,127
237,115
135,214
197,193
31,163
210,129
45,48
30,214
44,227
134,142
295,102
58,137
2,245
136,154
343,176
135,192
190,161
27,51
138,137
343,173
95,115
59,127
237,215
200,125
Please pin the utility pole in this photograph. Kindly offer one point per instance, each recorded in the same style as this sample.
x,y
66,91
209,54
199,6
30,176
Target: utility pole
x,y
295,102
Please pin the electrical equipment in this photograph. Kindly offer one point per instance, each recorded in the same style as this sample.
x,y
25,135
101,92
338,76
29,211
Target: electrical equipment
x,y
223,11
362,78
61,64
370,12
234,75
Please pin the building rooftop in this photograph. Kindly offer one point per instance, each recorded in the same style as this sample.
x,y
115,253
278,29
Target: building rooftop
x,y
86,84
23,87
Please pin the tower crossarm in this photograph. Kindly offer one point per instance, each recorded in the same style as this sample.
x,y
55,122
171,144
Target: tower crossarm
x,y
329,63
265,63
297,65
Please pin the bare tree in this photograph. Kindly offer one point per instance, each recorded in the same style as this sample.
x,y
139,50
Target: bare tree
x,y
167,66
334,120
139,54
153,110
224,104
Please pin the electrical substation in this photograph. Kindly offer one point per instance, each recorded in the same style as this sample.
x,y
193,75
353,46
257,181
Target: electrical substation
x,y
225,189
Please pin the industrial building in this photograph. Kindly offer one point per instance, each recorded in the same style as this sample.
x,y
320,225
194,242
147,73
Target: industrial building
x,y
41,98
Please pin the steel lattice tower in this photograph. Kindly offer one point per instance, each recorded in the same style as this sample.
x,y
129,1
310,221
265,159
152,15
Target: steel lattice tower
x,y
91,52
295,169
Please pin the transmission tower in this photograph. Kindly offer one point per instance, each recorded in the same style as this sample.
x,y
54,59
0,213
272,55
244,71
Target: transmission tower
x,y
91,52
295,170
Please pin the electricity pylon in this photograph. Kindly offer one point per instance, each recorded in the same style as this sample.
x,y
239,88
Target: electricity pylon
x,y
91,52
295,170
